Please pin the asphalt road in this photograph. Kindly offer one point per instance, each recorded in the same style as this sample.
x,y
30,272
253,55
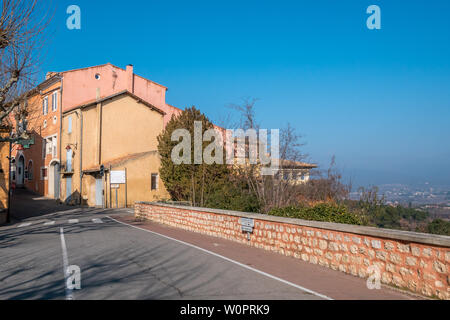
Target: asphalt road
x,y
118,261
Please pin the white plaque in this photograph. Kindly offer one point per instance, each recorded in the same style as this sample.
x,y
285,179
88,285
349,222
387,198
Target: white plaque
x,y
117,176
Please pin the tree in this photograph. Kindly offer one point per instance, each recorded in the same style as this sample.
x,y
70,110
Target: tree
x,y
189,181
22,36
439,226
271,191
326,187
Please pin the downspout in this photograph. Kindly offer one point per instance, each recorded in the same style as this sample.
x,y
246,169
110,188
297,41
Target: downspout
x,y
81,157
100,134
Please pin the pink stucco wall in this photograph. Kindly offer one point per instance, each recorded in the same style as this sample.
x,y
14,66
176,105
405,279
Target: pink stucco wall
x,y
81,86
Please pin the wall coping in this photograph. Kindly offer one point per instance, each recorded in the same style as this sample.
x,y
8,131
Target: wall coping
x,y
426,238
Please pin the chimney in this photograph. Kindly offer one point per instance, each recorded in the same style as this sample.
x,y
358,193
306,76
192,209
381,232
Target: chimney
x,y
130,78
49,75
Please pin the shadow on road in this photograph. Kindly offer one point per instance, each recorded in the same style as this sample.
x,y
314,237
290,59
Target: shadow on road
x,y
26,204
125,270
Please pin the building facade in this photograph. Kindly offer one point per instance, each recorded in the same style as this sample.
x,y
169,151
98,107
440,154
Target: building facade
x,y
4,174
295,172
39,168
118,132
95,120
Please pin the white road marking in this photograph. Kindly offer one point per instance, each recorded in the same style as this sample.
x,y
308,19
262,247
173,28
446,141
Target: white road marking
x,y
27,224
73,221
97,220
50,223
69,294
230,260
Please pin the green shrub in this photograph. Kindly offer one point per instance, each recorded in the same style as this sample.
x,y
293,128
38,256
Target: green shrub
x,y
320,212
439,226
232,196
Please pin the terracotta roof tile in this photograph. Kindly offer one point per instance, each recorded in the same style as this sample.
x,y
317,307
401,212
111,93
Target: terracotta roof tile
x,y
120,161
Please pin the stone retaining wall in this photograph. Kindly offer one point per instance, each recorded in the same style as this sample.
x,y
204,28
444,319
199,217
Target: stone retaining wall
x,y
414,261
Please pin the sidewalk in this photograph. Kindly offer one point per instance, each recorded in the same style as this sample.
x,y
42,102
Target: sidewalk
x,y
334,284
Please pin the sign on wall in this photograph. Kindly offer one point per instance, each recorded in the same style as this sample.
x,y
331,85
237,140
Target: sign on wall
x,y
247,224
117,176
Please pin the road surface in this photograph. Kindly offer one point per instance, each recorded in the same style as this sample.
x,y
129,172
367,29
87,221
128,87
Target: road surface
x,y
121,259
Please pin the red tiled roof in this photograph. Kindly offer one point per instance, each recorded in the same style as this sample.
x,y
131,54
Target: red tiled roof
x,y
296,164
119,161
94,101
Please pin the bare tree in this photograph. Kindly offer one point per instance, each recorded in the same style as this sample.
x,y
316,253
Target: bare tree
x,y
326,187
281,189
270,190
22,25
246,110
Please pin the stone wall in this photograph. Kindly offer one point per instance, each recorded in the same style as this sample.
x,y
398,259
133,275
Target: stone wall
x,y
413,261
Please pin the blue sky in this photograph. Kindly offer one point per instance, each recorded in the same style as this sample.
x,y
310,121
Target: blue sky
x,y
379,100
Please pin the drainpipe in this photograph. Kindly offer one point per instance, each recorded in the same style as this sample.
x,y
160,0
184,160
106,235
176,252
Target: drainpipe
x,y
100,121
81,157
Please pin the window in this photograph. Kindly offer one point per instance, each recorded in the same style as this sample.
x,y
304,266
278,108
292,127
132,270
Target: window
x,y
44,173
55,101
44,148
45,106
55,147
154,182
54,119
45,124
50,146
97,76
30,170
69,124
69,160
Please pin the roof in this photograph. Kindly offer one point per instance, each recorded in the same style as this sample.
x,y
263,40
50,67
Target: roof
x,y
119,161
124,92
174,107
47,82
84,68
54,76
290,164
110,64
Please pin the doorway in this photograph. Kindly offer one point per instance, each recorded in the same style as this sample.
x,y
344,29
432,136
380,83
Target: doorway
x,y
99,194
68,189
20,172
54,180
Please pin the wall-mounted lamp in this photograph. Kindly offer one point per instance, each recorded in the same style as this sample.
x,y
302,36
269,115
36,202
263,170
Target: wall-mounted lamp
x,y
68,147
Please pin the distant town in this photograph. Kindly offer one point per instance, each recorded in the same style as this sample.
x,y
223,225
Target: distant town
x,y
433,198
